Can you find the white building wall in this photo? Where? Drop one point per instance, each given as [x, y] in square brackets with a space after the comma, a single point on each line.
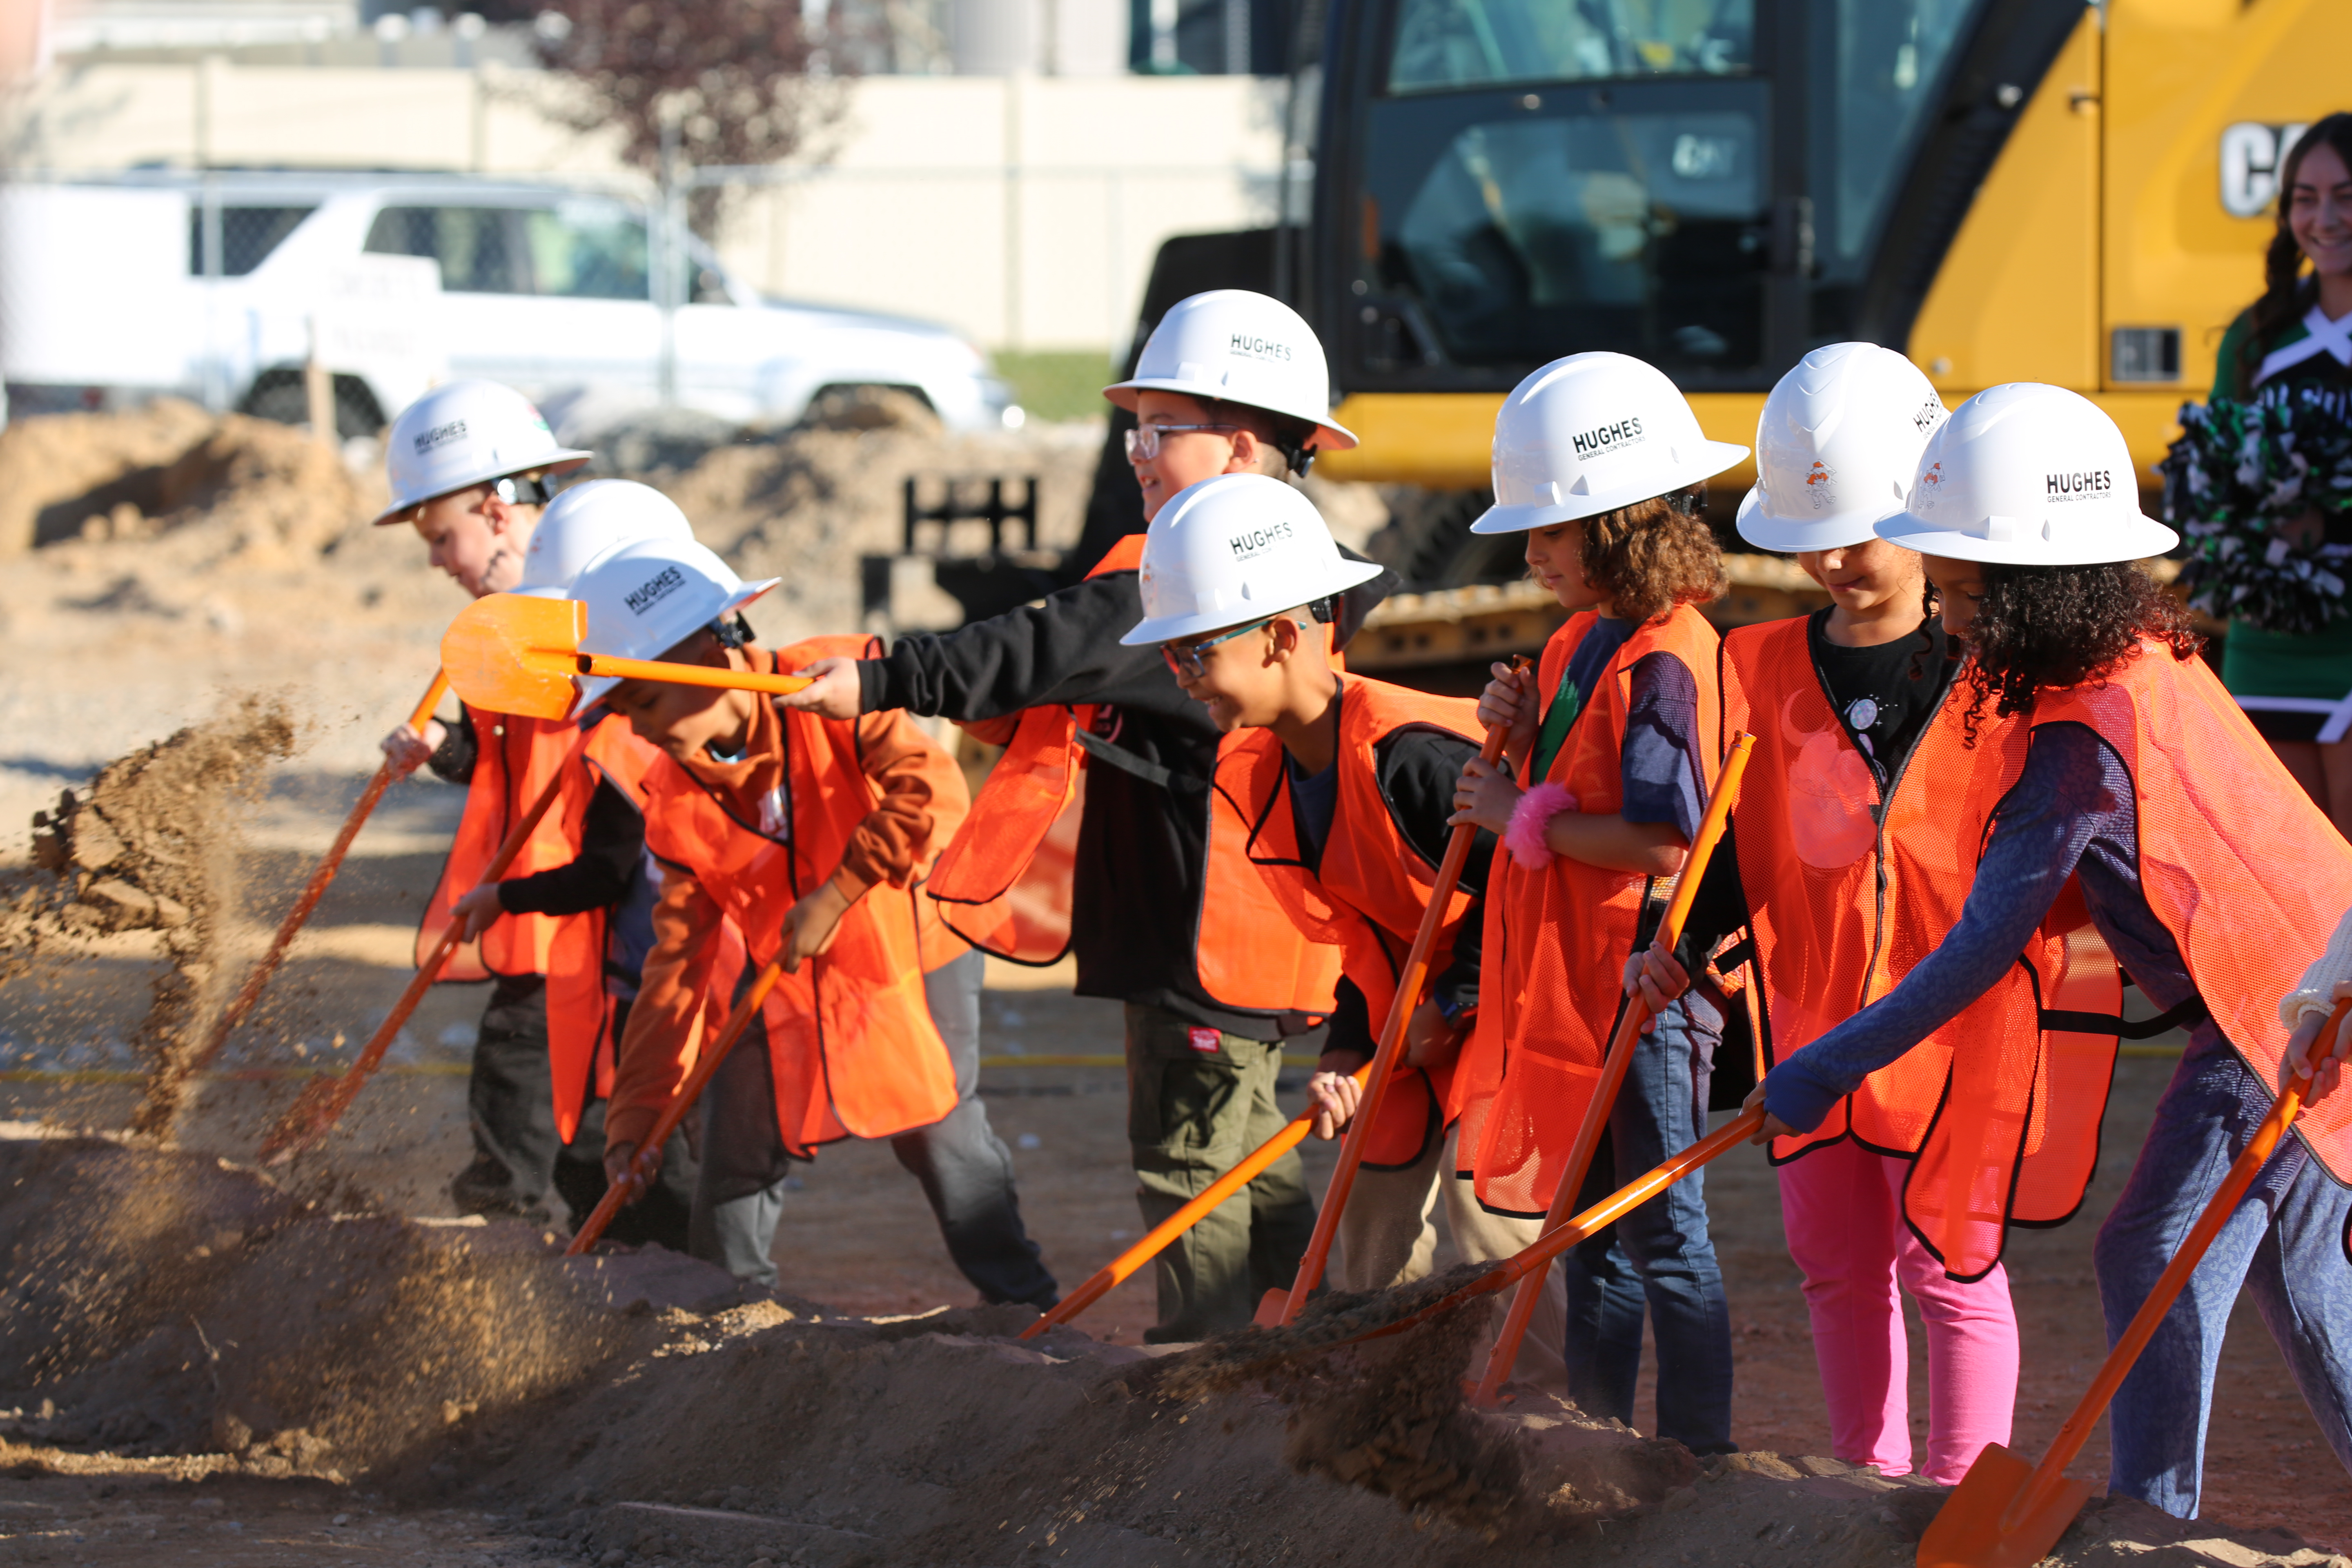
[1023, 210]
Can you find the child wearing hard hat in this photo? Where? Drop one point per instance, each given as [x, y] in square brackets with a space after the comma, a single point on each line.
[596, 908]
[1168, 914]
[809, 837]
[469, 465]
[1349, 783]
[1847, 857]
[1612, 749]
[2208, 872]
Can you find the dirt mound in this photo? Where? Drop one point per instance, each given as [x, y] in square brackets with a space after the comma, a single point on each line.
[152, 845]
[164, 467]
[631, 1409]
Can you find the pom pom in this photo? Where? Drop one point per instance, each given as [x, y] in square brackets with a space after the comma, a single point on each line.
[2242, 472]
[1525, 836]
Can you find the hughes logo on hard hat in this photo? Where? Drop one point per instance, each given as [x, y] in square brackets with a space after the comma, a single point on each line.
[440, 435]
[1265, 348]
[1258, 540]
[1609, 437]
[2080, 486]
[1930, 413]
[653, 590]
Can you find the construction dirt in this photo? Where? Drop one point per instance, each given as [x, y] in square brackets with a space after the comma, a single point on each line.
[202, 1363]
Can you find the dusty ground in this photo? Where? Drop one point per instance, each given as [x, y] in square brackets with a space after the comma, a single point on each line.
[238, 1378]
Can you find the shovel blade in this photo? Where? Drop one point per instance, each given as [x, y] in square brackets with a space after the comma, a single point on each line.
[1269, 1308]
[512, 653]
[305, 1121]
[1973, 1531]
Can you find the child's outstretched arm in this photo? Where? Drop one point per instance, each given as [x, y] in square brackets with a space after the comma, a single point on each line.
[2305, 1008]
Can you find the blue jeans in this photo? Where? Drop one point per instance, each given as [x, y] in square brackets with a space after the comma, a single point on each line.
[2285, 1244]
[1660, 1256]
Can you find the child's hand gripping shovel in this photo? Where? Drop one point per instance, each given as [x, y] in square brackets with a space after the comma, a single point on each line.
[511, 653]
[259, 976]
[319, 1107]
[1280, 1307]
[2006, 1514]
[1614, 1065]
[622, 1193]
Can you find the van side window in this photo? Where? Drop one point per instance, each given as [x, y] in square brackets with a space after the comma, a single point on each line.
[587, 249]
[479, 248]
[247, 236]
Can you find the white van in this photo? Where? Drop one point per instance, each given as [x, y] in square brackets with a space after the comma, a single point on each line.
[212, 288]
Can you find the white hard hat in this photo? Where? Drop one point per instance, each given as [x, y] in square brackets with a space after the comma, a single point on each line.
[645, 598]
[1589, 434]
[2028, 475]
[467, 432]
[1836, 448]
[1240, 347]
[583, 522]
[1232, 548]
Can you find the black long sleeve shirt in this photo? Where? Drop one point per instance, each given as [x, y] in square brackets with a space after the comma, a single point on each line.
[1142, 844]
[612, 840]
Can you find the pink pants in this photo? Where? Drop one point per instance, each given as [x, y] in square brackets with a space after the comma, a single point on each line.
[1841, 1207]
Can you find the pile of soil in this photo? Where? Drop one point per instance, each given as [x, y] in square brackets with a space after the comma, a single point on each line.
[137, 474]
[631, 1407]
[152, 845]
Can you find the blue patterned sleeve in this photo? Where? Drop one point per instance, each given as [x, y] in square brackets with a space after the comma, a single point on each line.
[2039, 833]
[1660, 762]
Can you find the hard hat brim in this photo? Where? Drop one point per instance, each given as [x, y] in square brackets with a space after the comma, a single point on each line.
[2136, 539]
[1122, 394]
[1711, 458]
[1837, 531]
[594, 688]
[1155, 629]
[562, 461]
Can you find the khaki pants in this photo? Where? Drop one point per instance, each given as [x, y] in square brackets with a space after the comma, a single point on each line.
[1387, 1234]
[1482, 1237]
[1197, 1102]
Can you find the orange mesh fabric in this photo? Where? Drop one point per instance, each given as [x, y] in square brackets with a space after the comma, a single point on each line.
[1003, 884]
[514, 760]
[1368, 895]
[2244, 872]
[850, 1037]
[1557, 939]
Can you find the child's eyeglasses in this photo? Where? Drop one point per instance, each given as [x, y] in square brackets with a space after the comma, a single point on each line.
[1143, 441]
[1184, 657]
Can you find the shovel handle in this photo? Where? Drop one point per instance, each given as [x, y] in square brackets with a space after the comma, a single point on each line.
[297, 1130]
[1388, 1052]
[1532, 1260]
[2051, 1473]
[619, 1194]
[687, 674]
[1615, 1064]
[315, 889]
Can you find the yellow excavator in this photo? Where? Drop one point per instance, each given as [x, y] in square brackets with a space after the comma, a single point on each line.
[2004, 190]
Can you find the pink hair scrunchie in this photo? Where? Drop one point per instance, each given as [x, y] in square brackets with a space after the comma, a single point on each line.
[1525, 836]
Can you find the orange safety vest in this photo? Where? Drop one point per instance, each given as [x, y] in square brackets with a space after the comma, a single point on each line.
[850, 1037]
[514, 760]
[2248, 876]
[1843, 901]
[1368, 895]
[1003, 884]
[1557, 939]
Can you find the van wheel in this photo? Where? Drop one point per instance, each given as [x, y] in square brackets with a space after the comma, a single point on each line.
[280, 396]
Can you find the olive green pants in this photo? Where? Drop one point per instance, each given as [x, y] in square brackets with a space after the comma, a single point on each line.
[1197, 1101]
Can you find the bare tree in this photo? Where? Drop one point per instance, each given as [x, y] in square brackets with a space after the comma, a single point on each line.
[735, 81]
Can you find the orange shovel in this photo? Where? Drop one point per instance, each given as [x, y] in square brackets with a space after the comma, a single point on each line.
[706, 1067]
[512, 653]
[2006, 1514]
[258, 977]
[1614, 1065]
[319, 1107]
[1280, 1307]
